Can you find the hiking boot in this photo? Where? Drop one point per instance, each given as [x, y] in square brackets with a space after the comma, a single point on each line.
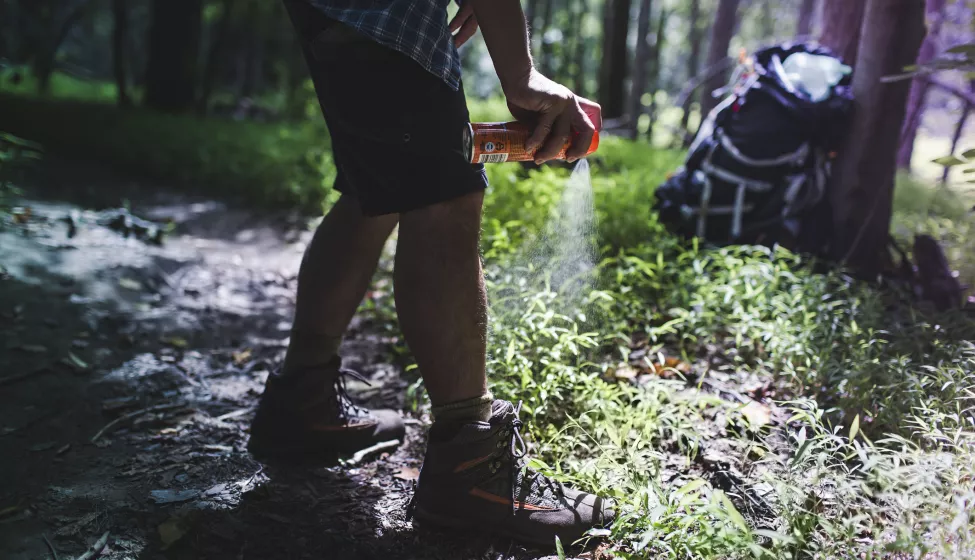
[309, 416]
[474, 477]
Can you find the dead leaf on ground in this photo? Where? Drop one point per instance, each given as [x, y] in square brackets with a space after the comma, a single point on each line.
[172, 530]
[73, 528]
[22, 215]
[75, 362]
[42, 446]
[130, 284]
[757, 414]
[175, 342]
[240, 358]
[669, 366]
[9, 510]
[407, 474]
[173, 496]
[622, 372]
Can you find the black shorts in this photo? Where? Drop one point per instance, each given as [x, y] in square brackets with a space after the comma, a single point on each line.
[397, 130]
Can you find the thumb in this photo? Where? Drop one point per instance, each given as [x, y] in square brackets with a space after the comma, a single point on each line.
[546, 120]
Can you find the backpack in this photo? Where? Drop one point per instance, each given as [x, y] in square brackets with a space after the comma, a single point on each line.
[758, 169]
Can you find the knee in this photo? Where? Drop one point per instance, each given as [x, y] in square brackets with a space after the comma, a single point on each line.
[457, 218]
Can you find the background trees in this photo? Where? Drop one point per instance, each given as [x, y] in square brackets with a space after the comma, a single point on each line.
[652, 64]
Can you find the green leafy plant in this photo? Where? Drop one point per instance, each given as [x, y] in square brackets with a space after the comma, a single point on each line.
[966, 162]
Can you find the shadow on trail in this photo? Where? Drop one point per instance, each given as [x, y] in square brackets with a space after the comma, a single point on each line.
[129, 376]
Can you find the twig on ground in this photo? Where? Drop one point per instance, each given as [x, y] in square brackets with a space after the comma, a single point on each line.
[134, 414]
[234, 414]
[361, 455]
[54, 551]
[96, 548]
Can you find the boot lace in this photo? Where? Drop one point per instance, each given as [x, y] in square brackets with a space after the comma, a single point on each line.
[346, 407]
[516, 451]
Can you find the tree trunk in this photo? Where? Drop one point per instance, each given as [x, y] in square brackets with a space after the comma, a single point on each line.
[721, 33]
[6, 26]
[638, 84]
[612, 86]
[863, 188]
[768, 20]
[919, 88]
[959, 130]
[45, 61]
[659, 41]
[531, 10]
[695, 37]
[807, 11]
[214, 54]
[547, 13]
[842, 20]
[580, 54]
[120, 38]
[174, 47]
[571, 44]
[253, 61]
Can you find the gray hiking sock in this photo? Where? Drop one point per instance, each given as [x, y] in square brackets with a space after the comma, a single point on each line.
[477, 409]
[309, 350]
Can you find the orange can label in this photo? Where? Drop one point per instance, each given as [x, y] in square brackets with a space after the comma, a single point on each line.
[501, 142]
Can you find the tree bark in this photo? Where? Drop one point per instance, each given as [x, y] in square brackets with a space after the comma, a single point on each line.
[45, 62]
[253, 54]
[580, 54]
[968, 106]
[721, 33]
[571, 44]
[807, 12]
[863, 188]
[548, 12]
[120, 38]
[919, 88]
[174, 47]
[959, 130]
[214, 55]
[695, 37]
[842, 20]
[531, 10]
[659, 41]
[638, 84]
[612, 87]
[768, 20]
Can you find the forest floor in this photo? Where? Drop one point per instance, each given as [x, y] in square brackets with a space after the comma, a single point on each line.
[129, 375]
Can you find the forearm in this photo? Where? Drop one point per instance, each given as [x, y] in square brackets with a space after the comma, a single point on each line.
[505, 32]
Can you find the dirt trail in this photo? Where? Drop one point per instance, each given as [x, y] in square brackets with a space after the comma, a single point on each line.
[172, 343]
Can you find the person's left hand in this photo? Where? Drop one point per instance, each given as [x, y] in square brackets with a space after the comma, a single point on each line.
[465, 21]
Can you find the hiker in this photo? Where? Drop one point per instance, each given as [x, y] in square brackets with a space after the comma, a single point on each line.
[388, 78]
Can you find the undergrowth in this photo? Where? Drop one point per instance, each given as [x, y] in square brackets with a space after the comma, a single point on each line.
[871, 453]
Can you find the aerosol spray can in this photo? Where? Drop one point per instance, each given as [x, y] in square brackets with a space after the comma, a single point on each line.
[501, 142]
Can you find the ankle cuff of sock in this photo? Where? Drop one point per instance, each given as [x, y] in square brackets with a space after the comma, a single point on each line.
[309, 350]
[469, 410]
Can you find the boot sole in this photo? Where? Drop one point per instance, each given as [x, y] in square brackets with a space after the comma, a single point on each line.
[423, 521]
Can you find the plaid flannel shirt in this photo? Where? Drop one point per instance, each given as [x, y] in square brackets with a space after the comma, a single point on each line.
[416, 28]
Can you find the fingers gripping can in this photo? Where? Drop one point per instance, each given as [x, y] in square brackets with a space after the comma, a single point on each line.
[501, 142]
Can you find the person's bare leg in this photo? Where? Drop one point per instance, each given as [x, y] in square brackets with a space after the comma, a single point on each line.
[442, 303]
[335, 273]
